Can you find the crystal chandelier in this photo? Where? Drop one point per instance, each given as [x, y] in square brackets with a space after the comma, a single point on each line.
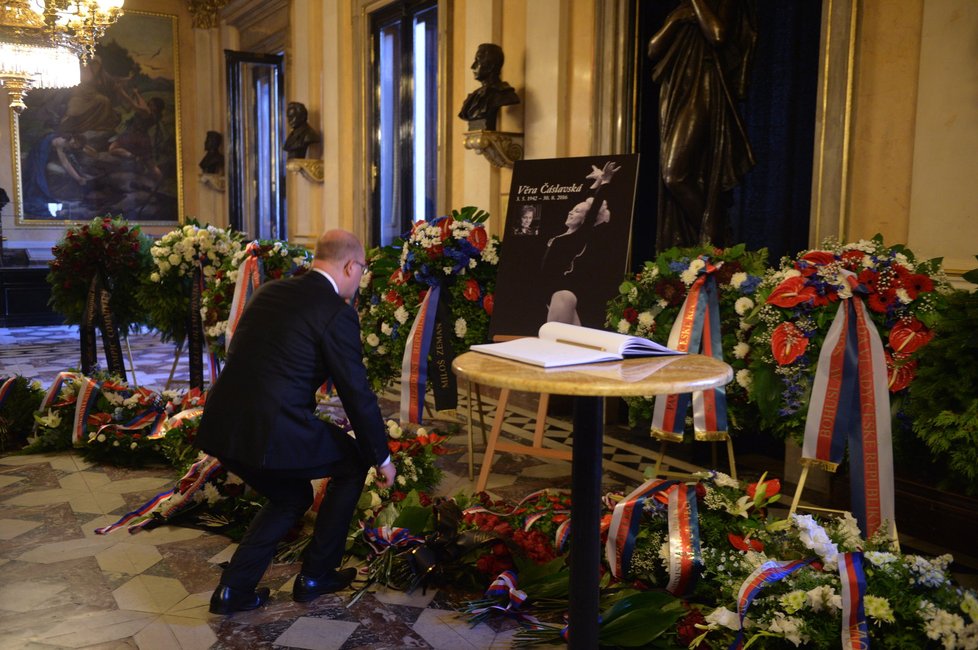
[79, 24]
[41, 42]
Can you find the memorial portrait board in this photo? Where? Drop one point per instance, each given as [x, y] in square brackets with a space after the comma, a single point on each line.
[566, 242]
[111, 144]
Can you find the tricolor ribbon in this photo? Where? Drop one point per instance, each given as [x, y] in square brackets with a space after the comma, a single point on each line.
[6, 388]
[685, 557]
[855, 631]
[165, 504]
[764, 575]
[503, 587]
[386, 537]
[151, 419]
[414, 364]
[850, 401]
[625, 522]
[696, 329]
[176, 420]
[251, 273]
[87, 396]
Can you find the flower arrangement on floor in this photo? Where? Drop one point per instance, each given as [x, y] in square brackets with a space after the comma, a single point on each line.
[111, 248]
[122, 423]
[797, 302]
[454, 250]
[648, 303]
[166, 290]
[275, 260]
[909, 601]
[20, 398]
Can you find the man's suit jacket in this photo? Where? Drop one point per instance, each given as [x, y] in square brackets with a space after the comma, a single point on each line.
[293, 335]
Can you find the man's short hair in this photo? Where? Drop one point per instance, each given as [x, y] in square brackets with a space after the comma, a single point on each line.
[337, 246]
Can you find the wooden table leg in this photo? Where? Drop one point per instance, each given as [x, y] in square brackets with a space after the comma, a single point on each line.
[497, 426]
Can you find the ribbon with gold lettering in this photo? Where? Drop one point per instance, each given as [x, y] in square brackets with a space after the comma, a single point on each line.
[696, 329]
[685, 557]
[850, 402]
[195, 329]
[625, 520]
[855, 631]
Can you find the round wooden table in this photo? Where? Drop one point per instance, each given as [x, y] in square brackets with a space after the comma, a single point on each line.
[589, 384]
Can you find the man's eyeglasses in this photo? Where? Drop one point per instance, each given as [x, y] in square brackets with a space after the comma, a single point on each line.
[363, 266]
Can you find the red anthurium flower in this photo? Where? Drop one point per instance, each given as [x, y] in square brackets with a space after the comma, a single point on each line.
[446, 228]
[400, 277]
[787, 343]
[900, 373]
[478, 238]
[909, 336]
[487, 303]
[771, 488]
[819, 258]
[745, 544]
[393, 297]
[471, 290]
[791, 293]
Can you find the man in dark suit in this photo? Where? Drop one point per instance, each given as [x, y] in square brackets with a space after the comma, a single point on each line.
[260, 422]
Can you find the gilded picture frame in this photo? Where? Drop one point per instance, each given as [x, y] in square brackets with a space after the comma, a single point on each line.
[111, 145]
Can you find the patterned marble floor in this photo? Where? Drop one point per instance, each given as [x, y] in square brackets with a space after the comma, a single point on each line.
[61, 586]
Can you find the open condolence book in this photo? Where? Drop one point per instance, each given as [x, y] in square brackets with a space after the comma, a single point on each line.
[560, 344]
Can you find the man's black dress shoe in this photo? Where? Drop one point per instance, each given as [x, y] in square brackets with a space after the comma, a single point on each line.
[305, 588]
[226, 600]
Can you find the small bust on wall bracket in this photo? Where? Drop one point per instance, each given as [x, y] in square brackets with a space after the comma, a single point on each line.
[213, 160]
[481, 107]
[302, 135]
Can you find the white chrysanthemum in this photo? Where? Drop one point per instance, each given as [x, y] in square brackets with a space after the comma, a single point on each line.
[386, 329]
[115, 443]
[623, 326]
[100, 437]
[394, 430]
[461, 327]
[401, 315]
[880, 559]
[744, 378]
[154, 277]
[741, 349]
[133, 446]
[688, 276]
[381, 350]
[903, 296]
[738, 279]
[743, 305]
[646, 319]
[113, 398]
[878, 608]
[793, 601]
[373, 340]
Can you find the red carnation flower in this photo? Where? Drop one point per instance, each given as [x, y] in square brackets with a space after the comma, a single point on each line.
[393, 297]
[630, 314]
[487, 303]
[787, 343]
[791, 293]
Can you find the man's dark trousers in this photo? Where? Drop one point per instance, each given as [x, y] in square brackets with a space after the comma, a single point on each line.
[289, 496]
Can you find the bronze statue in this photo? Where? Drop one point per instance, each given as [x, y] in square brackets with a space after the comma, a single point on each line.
[213, 160]
[482, 106]
[701, 58]
[302, 135]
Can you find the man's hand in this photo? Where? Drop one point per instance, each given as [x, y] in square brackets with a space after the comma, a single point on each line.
[385, 475]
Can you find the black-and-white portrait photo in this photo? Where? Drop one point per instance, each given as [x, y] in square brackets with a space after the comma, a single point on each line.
[579, 211]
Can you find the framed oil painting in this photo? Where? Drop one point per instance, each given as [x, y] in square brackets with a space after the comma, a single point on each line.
[110, 145]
